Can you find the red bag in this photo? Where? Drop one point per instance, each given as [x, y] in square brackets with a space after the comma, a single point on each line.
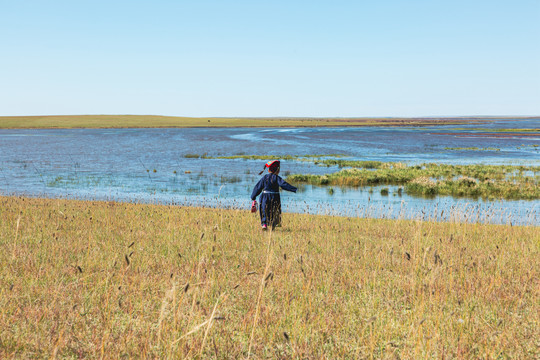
[254, 206]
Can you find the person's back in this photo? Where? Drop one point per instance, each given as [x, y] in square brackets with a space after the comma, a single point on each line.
[271, 182]
[268, 187]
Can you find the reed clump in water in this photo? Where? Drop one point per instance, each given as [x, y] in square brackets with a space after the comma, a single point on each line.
[487, 181]
[473, 148]
[306, 158]
[106, 280]
[469, 187]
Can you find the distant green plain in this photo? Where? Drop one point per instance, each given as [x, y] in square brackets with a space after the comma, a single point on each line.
[154, 121]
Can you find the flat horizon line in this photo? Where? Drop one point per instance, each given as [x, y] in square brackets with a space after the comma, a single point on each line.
[294, 117]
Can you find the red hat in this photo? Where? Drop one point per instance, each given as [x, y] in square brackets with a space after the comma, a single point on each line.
[272, 166]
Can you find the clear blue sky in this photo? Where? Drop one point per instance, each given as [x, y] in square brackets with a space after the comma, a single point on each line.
[270, 58]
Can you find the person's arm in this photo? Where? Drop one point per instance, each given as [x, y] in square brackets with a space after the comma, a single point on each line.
[285, 185]
[257, 190]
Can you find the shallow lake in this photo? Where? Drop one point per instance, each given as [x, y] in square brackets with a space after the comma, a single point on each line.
[161, 166]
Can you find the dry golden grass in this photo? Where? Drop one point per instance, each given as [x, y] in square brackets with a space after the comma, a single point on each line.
[114, 280]
[155, 121]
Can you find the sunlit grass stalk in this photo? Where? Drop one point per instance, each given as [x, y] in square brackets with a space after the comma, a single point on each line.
[261, 288]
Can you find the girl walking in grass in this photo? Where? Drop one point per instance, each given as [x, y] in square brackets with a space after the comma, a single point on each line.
[268, 187]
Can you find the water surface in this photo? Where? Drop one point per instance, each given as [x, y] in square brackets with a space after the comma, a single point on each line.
[150, 165]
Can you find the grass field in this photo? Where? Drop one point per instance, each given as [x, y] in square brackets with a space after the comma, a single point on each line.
[153, 121]
[117, 280]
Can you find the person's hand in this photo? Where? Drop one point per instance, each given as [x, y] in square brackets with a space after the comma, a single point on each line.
[254, 206]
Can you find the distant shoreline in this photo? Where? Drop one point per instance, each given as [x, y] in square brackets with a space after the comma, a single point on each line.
[155, 121]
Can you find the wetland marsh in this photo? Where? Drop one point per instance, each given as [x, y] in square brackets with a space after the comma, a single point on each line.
[218, 167]
[116, 278]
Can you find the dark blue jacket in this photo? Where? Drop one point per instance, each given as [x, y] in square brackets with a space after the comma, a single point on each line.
[270, 184]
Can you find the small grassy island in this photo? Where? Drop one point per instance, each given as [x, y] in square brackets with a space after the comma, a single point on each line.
[485, 181]
[510, 182]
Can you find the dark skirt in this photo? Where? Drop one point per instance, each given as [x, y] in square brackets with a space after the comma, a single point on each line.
[270, 210]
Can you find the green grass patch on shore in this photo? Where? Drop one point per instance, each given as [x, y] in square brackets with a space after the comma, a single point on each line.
[117, 280]
[487, 181]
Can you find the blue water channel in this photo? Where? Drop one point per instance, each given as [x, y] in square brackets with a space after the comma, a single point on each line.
[162, 166]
